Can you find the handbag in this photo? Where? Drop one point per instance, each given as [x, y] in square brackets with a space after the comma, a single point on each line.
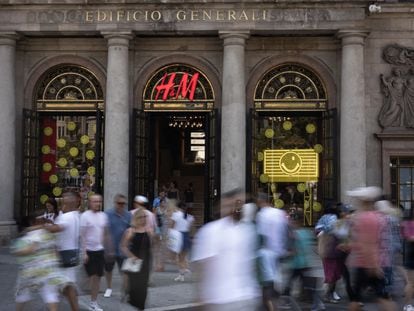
[69, 258]
[132, 265]
[175, 240]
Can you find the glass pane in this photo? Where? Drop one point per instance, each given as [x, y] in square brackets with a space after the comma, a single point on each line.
[405, 175]
[405, 192]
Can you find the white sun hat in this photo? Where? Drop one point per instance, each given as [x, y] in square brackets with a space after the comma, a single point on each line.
[371, 193]
[140, 199]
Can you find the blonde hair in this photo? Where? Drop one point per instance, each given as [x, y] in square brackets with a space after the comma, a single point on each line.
[136, 216]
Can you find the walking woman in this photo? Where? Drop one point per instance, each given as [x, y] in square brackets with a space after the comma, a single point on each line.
[182, 222]
[136, 244]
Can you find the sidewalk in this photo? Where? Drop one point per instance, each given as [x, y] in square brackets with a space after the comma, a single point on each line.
[164, 293]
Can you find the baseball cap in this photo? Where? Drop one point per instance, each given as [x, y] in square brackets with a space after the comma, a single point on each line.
[140, 199]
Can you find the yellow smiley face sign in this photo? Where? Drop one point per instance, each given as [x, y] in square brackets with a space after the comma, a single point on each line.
[47, 167]
[290, 162]
[317, 207]
[310, 128]
[301, 187]
[318, 148]
[73, 151]
[48, 131]
[74, 172]
[61, 143]
[71, 126]
[62, 162]
[279, 203]
[45, 149]
[287, 125]
[57, 191]
[269, 133]
[84, 139]
[264, 178]
[91, 170]
[53, 179]
[90, 154]
[43, 198]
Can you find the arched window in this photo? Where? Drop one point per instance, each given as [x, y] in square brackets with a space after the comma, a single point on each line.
[69, 87]
[178, 87]
[290, 87]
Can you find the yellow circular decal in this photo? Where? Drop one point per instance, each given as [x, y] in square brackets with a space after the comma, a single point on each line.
[301, 187]
[279, 203]
[47, 167]
[61, 143]
[71, 126]
[318, 148]
[264, 178]
[74, 172]
[45, 149]
[57, 191]
[62, 162]
[43, 198]
[73, 151]
[90, 154]
[310, 128]
[269, 133]
[287, 125]
[317, 207]
[290, 162]
[53, 179]
[260, 156]
[84, 139]
[48, 131]
[91, 170]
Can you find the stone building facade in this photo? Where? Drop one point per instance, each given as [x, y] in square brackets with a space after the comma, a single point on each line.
[255, 66]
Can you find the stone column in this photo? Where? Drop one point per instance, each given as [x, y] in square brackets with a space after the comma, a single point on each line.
[353, 150]
[7, 133]
[117, 112]
[233, 111]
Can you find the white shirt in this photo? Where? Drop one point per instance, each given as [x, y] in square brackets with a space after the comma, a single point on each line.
[180, 223]
[272, 223]
[93, 227]
[226, 249]
[68, 238]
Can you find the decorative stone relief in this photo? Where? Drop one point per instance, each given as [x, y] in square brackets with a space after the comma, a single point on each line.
[398, 106]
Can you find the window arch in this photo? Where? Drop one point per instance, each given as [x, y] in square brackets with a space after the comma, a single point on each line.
[290, 87]
[69, 87]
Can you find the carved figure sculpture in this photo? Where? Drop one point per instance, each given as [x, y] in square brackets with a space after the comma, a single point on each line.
[392, 111]
[409, 100]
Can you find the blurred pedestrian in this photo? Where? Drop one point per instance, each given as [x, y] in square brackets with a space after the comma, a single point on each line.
[365, 257]
[224, 253]
[189, 195]
[182, 221]
[94, 223]
[160, 238]
[141, 203]
[119, 219]
[173, 192]
[330, 255]
[67, 226]
[272, 227]
[136, 243]
[38, 264]
[407, 229]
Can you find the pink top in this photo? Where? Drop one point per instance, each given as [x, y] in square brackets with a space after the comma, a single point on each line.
[407, 229]
[365, 247]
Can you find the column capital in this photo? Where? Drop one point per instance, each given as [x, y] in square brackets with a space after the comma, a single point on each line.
[8, 38]
[117, 38]
[231, 37]
[352, 36]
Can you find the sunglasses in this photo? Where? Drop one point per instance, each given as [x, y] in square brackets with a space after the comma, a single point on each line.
[121, 203]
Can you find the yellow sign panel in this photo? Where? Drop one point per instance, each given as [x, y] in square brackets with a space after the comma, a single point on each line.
[291, 165]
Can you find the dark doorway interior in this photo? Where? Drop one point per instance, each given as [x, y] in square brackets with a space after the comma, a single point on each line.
[179, 149]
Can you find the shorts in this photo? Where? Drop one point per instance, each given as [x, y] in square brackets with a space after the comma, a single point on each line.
[49, 294]
[95, 264]
[363, 279]
[109, 266]
[186, 242]
[70, 276]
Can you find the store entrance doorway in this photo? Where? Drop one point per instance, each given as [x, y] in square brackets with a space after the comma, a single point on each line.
[180, 151]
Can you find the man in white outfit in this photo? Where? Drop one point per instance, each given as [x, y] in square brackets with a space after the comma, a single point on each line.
[225, 252]
[272, 226]
[94, 224]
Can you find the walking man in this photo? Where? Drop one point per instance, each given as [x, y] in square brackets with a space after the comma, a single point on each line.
[119, 220]
[94, 222]
[67, 226]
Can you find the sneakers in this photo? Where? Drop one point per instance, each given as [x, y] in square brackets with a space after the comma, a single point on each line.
[408, 308]
[108, 293]
[180, 278]
[93, 306]
[336, 296]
